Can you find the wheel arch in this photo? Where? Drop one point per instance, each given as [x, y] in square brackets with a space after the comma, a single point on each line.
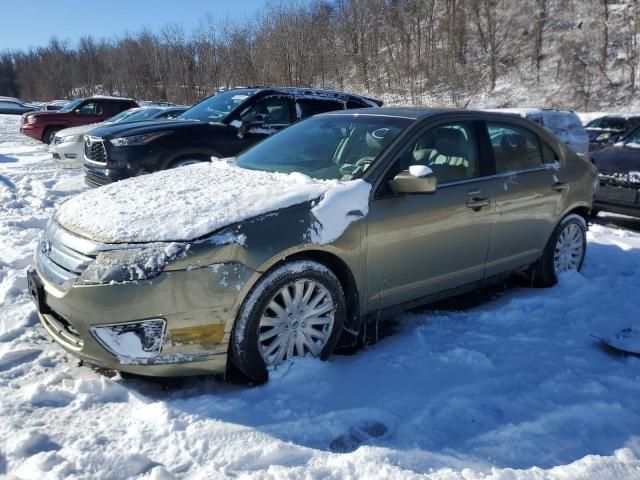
[345, 276]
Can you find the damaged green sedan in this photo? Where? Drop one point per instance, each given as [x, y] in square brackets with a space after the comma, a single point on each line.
[299, 242]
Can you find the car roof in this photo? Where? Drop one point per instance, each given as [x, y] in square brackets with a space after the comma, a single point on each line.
[107, 97]
[416, 113]
[311, 92]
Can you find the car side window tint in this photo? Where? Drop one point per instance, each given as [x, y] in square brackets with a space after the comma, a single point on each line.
[356, 104]
[275, 110]
[450, 150]
[309, 107]
[514, 148]
[548, 154]
[90, 108]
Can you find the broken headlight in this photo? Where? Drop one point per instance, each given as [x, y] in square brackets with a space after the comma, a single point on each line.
[129, 264]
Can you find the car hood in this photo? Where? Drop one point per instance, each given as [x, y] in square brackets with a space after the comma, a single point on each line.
[140, 128]
[81, 130]
[185, 203]
[49, 114]
[620, 159]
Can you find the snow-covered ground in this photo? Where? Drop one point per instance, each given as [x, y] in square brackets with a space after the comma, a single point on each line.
[510, 387]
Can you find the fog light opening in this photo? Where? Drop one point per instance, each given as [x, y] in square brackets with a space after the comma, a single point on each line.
[132, 341]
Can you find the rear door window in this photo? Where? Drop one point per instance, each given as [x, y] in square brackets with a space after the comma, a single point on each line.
[276, 111]
[514, 148]
[310, 107]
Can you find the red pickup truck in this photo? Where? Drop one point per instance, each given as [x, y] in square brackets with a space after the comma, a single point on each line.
[43, 125]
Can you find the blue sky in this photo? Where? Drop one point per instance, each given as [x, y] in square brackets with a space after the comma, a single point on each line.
[28, 23]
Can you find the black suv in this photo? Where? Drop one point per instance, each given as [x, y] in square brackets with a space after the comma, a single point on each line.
[220, 126]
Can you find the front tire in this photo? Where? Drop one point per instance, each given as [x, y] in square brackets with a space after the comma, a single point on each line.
[296, 309]
[565, 251]
[49, 133]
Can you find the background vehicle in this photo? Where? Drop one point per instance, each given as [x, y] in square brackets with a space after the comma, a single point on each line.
[44, 125]
[563, 124]
[220, 126]
[68, 144]
[619, 172]
[55, 105]
[178, 272]
[11, 106]
[607, 130]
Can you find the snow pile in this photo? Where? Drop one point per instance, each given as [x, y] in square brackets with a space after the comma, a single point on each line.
[340, 206]
[501, 385]
[184, 203]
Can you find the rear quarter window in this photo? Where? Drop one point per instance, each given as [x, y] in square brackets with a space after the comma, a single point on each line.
[310, 107]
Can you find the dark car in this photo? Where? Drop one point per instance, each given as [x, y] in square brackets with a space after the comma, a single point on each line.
[220, 126]
[607, 130]
[12, 106]
[619, 172]
[44, 125]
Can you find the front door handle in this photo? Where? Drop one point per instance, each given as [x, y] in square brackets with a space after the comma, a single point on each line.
[476, 203]
[559, 186]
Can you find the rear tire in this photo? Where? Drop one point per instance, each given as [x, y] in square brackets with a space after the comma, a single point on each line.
[297, 308]
[49, 133]
[565, 251]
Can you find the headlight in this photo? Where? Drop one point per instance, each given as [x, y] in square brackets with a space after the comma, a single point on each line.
[137, 139]
[130, 264]
[72, 138]
[603, 136]
[31, 119]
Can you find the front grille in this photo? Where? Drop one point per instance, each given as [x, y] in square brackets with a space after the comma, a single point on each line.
[61, 256]
[94, 149]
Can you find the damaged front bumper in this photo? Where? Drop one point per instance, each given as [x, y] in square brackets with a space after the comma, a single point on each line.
[175, 324]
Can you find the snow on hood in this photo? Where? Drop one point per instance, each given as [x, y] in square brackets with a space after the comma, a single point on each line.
[184, 203]
[341, 205]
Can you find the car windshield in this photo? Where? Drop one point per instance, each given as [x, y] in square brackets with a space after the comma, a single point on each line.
[325, 147]
[608, 123]
[215, 108]
[71, 105]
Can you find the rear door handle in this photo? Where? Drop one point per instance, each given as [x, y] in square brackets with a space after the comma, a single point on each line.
[476, 203]
[559, 186]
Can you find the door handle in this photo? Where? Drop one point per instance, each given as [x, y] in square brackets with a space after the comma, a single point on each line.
[559, 186]
[476, 203]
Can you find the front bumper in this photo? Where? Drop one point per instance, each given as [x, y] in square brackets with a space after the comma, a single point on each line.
[34, 131]
[69, 152]
[198, 305]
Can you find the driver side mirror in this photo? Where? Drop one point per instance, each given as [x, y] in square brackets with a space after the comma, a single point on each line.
[418, 179]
